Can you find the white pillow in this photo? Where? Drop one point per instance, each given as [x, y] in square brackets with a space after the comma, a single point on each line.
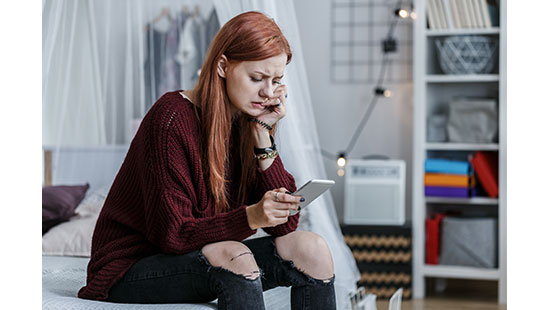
[72, 238]
[92, 202]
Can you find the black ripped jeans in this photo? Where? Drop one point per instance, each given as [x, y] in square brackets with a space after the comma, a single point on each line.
[190, 278]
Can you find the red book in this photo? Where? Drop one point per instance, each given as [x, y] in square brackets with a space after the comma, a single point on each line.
[486, 169]
[432, 239]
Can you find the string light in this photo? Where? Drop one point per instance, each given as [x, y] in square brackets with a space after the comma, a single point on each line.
[341, 162]
[413, 12]
[379, 91]
[403, 13]
[389, 45]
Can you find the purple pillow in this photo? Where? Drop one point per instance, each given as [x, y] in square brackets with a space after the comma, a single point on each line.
[59, 203]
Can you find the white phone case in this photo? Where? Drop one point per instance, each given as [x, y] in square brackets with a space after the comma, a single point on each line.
[311, 190]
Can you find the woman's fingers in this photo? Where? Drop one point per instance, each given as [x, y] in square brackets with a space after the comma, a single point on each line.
[280, 195]
[278, 98]
[281, 203]
[273, 103]
[278, 214]
[281, 91]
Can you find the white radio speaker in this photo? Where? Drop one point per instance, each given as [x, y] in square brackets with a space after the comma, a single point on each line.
[374, 192]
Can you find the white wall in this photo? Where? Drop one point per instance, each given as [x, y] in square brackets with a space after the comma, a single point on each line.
[339, 108]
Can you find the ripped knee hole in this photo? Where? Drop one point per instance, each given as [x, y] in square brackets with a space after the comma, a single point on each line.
[254, 274]
[241, 255]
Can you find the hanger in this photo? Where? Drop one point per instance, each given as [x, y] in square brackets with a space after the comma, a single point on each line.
[196, 11]
[165, 12]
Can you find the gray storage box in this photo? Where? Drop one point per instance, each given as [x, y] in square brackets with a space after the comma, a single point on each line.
[472, 120]
[469, 242]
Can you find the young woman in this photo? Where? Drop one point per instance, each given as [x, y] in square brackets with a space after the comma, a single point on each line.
[201, 175]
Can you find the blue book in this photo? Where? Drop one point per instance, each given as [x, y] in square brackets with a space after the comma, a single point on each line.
[447, 166]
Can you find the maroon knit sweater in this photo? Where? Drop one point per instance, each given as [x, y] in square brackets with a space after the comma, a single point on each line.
[159, 201]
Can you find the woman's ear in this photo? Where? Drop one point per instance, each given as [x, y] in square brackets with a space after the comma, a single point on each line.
[223, 64]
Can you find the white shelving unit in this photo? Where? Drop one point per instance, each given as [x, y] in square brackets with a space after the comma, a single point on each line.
[432, 78]
[431, 88]
[461, 147]
[463, 201]
[446, 32]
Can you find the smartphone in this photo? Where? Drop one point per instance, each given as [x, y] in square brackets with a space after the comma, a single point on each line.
[311, 190]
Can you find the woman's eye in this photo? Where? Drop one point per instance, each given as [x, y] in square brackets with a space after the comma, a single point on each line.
[277, 82]
[255, 79]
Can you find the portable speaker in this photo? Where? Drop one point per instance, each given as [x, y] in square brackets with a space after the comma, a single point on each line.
[374, 192]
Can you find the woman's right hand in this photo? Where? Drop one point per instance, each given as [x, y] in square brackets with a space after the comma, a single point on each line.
[269, 212]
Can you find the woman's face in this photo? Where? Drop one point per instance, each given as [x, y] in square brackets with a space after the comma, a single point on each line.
[250, 82]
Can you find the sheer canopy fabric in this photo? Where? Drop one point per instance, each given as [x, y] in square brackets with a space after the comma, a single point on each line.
[95, 90]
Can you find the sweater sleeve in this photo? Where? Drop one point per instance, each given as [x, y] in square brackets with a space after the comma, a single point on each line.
[275, 176]
[168, 185]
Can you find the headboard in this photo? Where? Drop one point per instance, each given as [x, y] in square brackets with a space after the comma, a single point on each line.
[96, 165]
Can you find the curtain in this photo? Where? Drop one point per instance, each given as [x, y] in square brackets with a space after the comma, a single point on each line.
[95, 90]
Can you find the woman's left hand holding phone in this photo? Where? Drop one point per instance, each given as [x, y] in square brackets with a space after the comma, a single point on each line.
[273, 209]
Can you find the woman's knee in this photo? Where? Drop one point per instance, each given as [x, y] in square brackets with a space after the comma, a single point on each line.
[309, 252]
[233, 256]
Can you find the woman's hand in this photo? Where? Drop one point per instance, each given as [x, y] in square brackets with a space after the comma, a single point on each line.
[276, 106]
[273, 209]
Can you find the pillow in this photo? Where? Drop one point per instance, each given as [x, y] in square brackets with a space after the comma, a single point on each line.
[72, 238]
[59, 203]
[93, 202]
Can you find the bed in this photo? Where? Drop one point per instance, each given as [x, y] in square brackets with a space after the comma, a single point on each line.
[66, 246]
[63, 276]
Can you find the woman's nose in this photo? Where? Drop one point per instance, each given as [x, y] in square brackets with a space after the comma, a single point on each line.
[267, 90]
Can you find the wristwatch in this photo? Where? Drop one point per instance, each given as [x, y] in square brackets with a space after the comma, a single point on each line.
[267, 150]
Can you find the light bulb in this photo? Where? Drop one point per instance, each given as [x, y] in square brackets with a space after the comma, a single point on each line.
[379, 91]
[341, 161]
[341, 172]
[402, 13]
[413, 14]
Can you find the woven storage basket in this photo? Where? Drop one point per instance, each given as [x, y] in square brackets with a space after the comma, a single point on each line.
[466, 54]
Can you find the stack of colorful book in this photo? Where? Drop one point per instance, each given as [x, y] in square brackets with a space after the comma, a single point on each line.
[448, 178]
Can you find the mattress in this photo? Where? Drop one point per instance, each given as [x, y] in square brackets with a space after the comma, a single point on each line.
[63, 276]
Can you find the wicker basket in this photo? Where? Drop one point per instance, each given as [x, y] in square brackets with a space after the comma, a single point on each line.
[466, 54]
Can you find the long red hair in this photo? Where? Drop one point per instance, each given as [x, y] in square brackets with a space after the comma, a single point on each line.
[249, 36]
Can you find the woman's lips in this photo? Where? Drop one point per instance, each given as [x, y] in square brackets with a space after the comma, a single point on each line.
[258, 105]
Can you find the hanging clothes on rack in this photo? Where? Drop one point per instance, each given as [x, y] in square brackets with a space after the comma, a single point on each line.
[175, 51]
[212, 26]
[169, 77]
[191, 51]
[155, 53]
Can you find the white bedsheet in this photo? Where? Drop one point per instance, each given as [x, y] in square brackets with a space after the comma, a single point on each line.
[63, 276]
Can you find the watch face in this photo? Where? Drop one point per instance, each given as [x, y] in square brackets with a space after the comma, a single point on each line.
[266, 150]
